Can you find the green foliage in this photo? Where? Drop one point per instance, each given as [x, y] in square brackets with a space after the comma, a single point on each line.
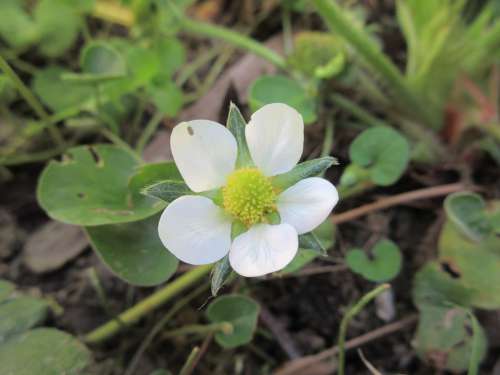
[383, 152]
[236, 125]
[384, 263]
[445, 338]
[133, 251]
[280, 89]
[44, 351]
[467, 211]
[241, 312]
[220, 274]
[317, 54]
[41, 351]
[90, 187]
[310, 168]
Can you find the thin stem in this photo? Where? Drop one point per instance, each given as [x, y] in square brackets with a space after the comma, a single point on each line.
[432, 192]
[328, 141]
[186, 369]
[148, 131]
[32, 158]
[31, 100]
[367, 298]
[147, 305]
[286, 21]
[235, 38]
[196, 64]
[200, 329]
[120, 143]
[357, 111]
[158, 326]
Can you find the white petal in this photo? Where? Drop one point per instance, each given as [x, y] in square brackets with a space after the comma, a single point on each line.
[275, 137]
[307, 204]
[195, 230]
[263, 249]
[205, 153]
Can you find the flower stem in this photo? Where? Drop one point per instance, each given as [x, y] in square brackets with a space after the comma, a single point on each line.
[201, 329]
[367, 298]
[31, 100]
[186, 368]
[147, 305]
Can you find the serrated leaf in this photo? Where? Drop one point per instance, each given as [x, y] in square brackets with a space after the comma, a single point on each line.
[236, 125]
[467, 211]
[241, 312]
[383, 151]
[133, 251]
[220, 274]
[384, 265]
[310, 168]
[90, 187]
[281, 89]
[44, 351]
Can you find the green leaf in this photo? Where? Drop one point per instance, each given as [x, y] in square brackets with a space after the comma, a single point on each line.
[20, 314]
[236, 125]
[242, 312]
[383, 151]
[310, 241]
[325, 234]
[171, 53]
[310, 168]
[143, 63]
[166, 96]
[467, 211]
[133, 251]
[89, 187]
[281, 89]
[153, 174]
[445, 333]
[17, 28]
[384, 266]
[6, 289]
[49, 86]
[58, 23]
[220, 274]
[168, 190]
[43, 351]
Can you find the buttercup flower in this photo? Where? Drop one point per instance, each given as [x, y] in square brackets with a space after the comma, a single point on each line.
[264, 220]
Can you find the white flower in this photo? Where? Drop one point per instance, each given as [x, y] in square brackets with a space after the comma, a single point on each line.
[198, 231]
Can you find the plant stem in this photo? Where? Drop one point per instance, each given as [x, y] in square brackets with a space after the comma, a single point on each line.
[31, 100]
[186, 369]
[357, 111]
[475, 355]
[367, 298]
[148, 131]
[147, 305]
[426, 193]
[233, 37]
[334, 17]
[31, 158]
[200, 329]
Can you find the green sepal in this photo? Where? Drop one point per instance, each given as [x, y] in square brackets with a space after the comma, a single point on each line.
[221, 273]
[311, 241]
[167, 190]
[303, 170]
[236, 125]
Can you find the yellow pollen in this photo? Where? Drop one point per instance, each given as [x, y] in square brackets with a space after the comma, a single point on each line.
[249, 196]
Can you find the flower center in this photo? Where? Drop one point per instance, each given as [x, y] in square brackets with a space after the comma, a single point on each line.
[249, 196]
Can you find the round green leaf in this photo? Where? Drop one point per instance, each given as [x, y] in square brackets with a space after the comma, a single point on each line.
[133, 251]
[281, 89]
[43, 351]
[384, 265]
[383, 151]
[90, 187]
[467, 211]
[48, 85]
[20, 314]
[242, 312]
[444, 338]
[101, 59]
